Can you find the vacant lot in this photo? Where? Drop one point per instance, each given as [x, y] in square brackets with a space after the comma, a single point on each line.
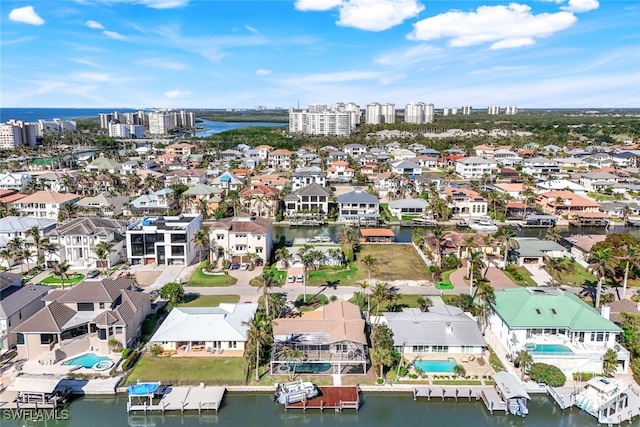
[394, 262]
[188, 370]
[199, 279]
[210, 300]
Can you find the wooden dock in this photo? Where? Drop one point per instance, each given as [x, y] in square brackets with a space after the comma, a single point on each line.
[492, 400]
[336, 398]
[449, 392]
[182, 399]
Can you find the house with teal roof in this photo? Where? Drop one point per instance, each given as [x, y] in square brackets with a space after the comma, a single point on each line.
[556, 327]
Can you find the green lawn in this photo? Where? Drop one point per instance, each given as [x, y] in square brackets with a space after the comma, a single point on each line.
[188, 370]
[199, 279]
[404, 300]
[211, 300]
[524, 279]
[578, 276]
[280, 276]
[334, 277]
[446, 276]
[53, 280]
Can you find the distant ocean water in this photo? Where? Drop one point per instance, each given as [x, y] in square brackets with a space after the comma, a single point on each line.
[33, 114]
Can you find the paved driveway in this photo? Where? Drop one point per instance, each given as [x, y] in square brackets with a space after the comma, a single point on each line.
[538, 275]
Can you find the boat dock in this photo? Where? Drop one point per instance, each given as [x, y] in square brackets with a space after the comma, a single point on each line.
[336, 398]
[492, 400]
[450, 392]
[202, 398]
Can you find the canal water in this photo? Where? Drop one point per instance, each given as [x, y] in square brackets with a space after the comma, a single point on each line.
[377, 410]
[403, 234]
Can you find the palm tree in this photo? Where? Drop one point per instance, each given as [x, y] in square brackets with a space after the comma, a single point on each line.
[282, 254]
[103, 249]
[600, 264]
[68, 211]
[610, 362]
[486, 293]
[364, 286]
[336, 253]
[424, 303]
[61, 270]
[266, 281]
[40, 243]
[7, 255]
[26, 255]
[524, 360]
[348, 238]
[258, 335]
[553, 234]
[371, 263]
[475, 263]
[556, 267]
[380, 293]
[201, 240]
[508, 242]
[438, 235]
[631, 258]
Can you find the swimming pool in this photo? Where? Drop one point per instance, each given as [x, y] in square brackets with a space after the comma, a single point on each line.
[87, 360]
[307, 368]
[435, 365]
[547, 348]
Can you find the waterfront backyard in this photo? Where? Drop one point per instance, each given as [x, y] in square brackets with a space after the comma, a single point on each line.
[397, 262]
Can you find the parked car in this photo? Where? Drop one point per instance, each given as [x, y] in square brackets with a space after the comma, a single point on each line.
[291, 279]
[234, 266]
[300, 278]
[92, 274]
[244, 266]
[444, 285]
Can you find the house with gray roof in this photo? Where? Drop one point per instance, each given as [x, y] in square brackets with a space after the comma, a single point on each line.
[406, 167]
[358, 206]
[532, 250]
[226, 182]
[192, 331]
[408, 207]
[556, 327]
[443, 329]
[311, 200]
[306, 176]
[17, 303]
[12, 227]
[82, 318]
[103, 205]
[158, 201]
[75, 242]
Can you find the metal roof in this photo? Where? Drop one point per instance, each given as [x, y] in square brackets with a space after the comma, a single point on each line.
[35, 383]
[509, 385]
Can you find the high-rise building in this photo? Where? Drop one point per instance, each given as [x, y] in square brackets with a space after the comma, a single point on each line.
[466, 110]
[320, 120]
[418, 112]
[160, 123]
[105, 120]
[28, 132]
[376, 113]
[120, 130]
[9, 136]
[55, 126]
[185, 119]
[511, 110]
[493, 110]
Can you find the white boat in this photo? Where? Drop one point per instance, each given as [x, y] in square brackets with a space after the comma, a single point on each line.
[610, 400]
[296, 391]
[485, 225]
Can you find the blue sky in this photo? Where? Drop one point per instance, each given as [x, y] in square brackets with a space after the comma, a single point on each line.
[239, 54]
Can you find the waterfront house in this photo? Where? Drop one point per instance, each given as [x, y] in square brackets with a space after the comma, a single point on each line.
[332, 340]
[306, 176]
[408, 207]
[358, 206]
[556, 327]
[532, 250]
[566, 203]
[580, 244]
[83, 318]
[75, 242]
[17, 303]
[195, 331]
[163, 240]
[443, 330]
[238, 236]
[310, 200]
[459, 244]
[464, 203]
[260, 200]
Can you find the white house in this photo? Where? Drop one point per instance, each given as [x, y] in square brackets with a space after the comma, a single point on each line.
[597, 181]
[339, 171]
[161, 200]
[358, 206]
[163, 240]
[475, 167]
[306, 176]
[406, 167]
[408, 207]
[45, 204]
[193, 331]
[465, 203]
[355, 150]
[537, 166]
[238, 236]
[556, 327]
[14, 181]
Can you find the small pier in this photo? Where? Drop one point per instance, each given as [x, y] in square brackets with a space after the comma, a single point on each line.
[168, 398]
[336, 398]
[492, 400]
[450, 392]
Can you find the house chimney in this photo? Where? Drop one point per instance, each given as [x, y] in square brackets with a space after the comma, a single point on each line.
[605, 312]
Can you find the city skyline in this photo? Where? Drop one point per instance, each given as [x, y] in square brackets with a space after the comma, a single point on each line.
[211, 54]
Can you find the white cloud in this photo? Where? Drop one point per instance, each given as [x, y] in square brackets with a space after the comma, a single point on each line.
[251, 29]
[113, 35]
[317, 5]
[263, 72]
[86, 62]
[26, 15]
[162, 4]
[505, 26]
[173, 94]
[94, 24]
[581, 5]
[163, 63]
[92, 77]
[368, 15]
